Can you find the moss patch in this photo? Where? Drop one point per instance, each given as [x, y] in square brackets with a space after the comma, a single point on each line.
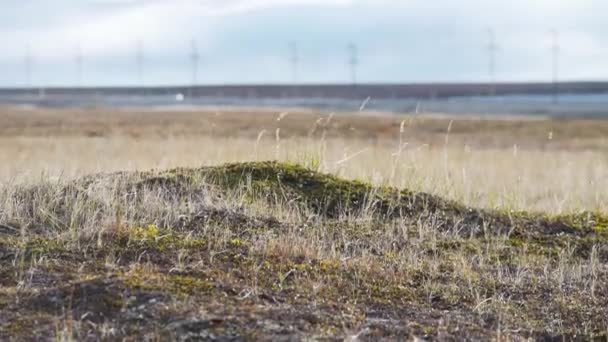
[333, 198]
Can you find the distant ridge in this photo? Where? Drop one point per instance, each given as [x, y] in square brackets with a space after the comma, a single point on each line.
[338, 91]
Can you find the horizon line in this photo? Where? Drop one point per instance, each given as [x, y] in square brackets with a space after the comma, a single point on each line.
[309, 84]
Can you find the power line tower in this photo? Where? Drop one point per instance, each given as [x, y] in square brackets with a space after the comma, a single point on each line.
[194, 63]
[194, 60]
[555, 54]
[492, 48]
[353, 62]
[294, 60]
[27, 64]
[79, 59]
[139, 60]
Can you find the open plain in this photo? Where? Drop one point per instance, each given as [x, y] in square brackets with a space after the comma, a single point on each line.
[268, 225]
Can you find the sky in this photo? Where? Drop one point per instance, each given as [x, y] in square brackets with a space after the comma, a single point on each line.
[96, 42]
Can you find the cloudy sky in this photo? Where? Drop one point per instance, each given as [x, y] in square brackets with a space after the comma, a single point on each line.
[248, 41]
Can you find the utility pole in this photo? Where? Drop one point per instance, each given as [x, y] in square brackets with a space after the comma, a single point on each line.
[555, 52]
[27, 63]
[194, 60]
[353, 62]
[294, 60]
[492, 47]
[79, 63]
[139, 60]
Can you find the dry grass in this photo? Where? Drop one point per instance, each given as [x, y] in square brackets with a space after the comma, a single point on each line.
[275, 251]
[541, 165]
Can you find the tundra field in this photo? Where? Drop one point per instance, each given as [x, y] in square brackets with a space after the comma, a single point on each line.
[269, 225]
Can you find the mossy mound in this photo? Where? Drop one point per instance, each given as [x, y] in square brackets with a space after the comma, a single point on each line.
[322, 196]
[275, 251]
[331, 197]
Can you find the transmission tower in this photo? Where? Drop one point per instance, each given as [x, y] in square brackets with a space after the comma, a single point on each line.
[139, 60]
[194, 59]
[353, 62]
[27, 63]
[194, 62]
[79, 59]
[492, 47]
[555, 54]
[295, 61]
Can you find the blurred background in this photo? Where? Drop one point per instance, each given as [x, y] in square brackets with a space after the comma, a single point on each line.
[472, 56]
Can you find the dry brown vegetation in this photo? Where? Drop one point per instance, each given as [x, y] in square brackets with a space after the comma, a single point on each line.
[544, 165]
[389, 227]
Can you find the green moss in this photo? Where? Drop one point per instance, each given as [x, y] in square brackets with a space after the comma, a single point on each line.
[34, 247]
[152, 237]
[7, 295]
[175, 285]
[324, 193]
[148, 233]
[332, 197]
[516, 241]
[236, 242]
[600, 225]
[188, 285]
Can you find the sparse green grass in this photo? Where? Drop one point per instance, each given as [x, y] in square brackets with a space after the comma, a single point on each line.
[270, 250]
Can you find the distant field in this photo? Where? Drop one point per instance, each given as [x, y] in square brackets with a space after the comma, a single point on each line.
[363, 228]
[390, 90]
[550, 165]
